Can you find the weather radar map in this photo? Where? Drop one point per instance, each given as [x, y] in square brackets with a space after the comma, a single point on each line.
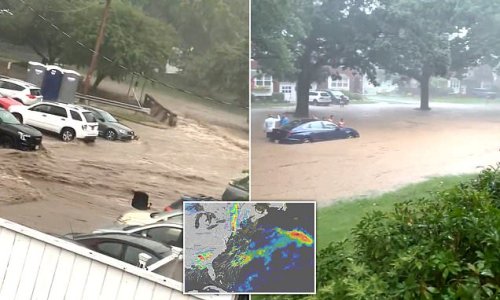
[249, 247]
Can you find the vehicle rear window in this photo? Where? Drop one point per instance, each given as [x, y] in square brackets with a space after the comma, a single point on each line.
[35, 92]
[75, 116]
[89, 117]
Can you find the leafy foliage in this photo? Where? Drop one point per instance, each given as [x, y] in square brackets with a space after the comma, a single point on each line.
[420, 39]
[443, 247]
[133, 40]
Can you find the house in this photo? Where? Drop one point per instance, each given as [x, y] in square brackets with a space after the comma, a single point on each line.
[264, 85]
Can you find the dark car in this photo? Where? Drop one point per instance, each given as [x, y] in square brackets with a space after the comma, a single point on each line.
[13, 134]
[123, 247]
[338, 97]
[237, 190]
[109, 127]
[300, 131]
[178, 203]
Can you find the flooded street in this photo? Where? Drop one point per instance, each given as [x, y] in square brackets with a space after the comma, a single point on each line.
[398, 145]
[77, 187]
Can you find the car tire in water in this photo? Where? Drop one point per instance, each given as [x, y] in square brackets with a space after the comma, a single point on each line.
[110, 135]
[67, 134]
[6, 142]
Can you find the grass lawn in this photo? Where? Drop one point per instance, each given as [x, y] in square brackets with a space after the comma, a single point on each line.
[334, 223]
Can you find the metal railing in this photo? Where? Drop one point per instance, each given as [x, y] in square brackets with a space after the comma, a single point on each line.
[109, 102]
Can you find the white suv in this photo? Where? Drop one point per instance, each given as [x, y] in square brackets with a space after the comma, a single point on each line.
[319, 98]
[22, 91]
[68, 120]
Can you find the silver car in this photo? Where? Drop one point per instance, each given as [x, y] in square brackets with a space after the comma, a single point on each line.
[170, 234]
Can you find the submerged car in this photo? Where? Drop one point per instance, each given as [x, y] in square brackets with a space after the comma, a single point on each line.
[237, 190]
[109, 127]
[13, 134]
[301, 131]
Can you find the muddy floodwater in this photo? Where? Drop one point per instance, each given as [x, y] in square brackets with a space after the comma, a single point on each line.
[78, 187]
[398, 145]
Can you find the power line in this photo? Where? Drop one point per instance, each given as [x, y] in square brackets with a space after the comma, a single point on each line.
[152, 80]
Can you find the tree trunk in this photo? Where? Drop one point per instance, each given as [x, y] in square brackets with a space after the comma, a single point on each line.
[424, 92]
[304, 81]
[303, 84]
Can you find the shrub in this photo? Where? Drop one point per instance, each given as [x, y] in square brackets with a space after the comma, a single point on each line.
[353, 96]
[446, 246]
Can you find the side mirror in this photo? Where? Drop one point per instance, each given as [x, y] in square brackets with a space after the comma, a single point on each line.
[143, 260]
[101, 119]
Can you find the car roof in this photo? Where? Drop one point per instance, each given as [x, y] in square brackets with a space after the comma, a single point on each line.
[134, 228]
[20, 82]
[132, 239]
[67, 105]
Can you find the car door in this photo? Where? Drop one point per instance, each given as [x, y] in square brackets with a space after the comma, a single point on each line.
[332, 131]
[317, 130]
[36, 115]
[56, 118]
[8, 89]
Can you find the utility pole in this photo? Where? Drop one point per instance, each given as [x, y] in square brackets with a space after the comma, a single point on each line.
[95, 56]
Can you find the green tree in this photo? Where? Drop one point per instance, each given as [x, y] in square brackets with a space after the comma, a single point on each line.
[213, 42]
[421, 39]
[133, 42]
[25, 27]
[330, 33]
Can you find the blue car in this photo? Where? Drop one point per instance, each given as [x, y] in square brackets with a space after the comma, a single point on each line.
[301, 131]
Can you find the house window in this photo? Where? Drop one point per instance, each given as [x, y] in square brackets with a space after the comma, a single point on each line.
[342, 83]
[286, 89]
[263, 80]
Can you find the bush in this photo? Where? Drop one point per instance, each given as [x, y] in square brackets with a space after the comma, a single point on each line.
[444, 247]
[353, 96]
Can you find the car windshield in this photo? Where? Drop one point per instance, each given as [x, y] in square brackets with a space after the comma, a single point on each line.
[8, 118]
[108, 117]
[89, 117]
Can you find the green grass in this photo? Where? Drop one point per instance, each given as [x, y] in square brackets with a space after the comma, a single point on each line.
[272, 104]
[334, 223]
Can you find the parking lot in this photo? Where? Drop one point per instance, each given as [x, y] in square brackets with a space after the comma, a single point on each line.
[398, 145]
[77, 187]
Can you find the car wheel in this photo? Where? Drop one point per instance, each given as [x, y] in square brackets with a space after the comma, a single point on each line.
[18, 117]
[308, 140]
[6, 142]
[110, 135]
[315, 103]
[67, 134]
[349, 136]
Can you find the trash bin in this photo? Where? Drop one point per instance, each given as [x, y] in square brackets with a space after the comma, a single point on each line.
[69, 86]
[52, 83]
[36, 72]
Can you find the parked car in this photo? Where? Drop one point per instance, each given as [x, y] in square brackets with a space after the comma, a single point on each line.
[237, 190]
[123, 247]
[338, 97]
[24, 92]
[311, 131]
[169, 233]
[6, 102]
[144, 217]
[109, 127]
[484, 93]
[67, 120]
[178, 203]
[319, 98]
[13, 134]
